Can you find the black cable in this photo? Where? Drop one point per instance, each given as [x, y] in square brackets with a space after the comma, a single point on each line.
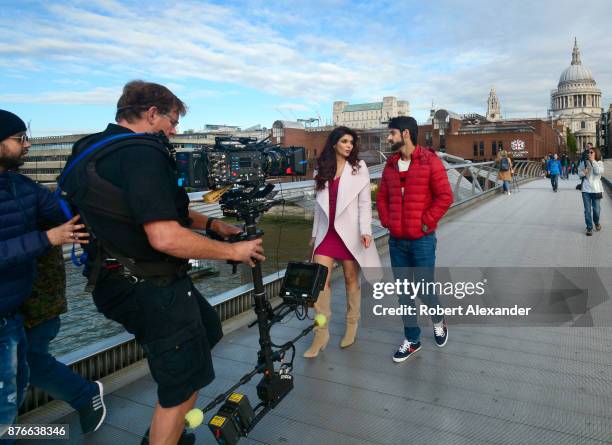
[280, 231]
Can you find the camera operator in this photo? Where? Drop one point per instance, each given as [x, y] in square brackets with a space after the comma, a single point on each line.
[175, 325]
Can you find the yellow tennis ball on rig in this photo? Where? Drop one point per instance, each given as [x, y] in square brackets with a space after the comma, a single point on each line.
[194, 418]
[320, 320]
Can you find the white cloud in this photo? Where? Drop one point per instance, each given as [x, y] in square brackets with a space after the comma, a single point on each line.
[293, 107]
[317, 52]
[97, 96]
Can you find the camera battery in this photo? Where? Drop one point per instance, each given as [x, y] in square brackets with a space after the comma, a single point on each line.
[224, 430]
[233, 420]
[238, 407]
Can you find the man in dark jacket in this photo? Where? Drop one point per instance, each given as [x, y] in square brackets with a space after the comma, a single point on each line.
[22, 203]
[41, 313]
[414, 194]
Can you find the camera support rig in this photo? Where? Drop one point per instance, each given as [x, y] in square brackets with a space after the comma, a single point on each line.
[236, 418]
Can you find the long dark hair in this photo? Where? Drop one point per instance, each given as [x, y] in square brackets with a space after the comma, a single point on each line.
[597, 152]
[326, 162]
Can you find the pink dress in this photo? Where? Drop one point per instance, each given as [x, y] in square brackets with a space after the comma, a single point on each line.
[332, 245]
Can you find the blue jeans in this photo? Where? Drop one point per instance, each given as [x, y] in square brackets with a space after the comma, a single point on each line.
[506, 185]
[14, 374]
[591, 209]
[54, 377]
[554, 180]
[420, 256]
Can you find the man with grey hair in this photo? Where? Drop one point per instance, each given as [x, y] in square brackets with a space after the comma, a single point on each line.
[126, 189]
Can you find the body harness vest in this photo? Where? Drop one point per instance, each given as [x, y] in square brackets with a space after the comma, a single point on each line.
[82, 190]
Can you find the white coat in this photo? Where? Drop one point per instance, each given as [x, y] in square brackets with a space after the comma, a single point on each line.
[353, 218]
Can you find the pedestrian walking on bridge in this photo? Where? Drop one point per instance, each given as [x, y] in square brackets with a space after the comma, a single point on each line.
[592, 189]
[553, 166]
[505, 170]
[413, 197]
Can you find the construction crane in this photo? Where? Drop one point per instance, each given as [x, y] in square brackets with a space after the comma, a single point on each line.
[308, 122]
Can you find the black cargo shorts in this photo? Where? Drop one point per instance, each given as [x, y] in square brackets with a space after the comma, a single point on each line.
[176, 327]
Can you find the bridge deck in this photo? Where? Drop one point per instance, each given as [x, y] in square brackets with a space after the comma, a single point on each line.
[487, 386]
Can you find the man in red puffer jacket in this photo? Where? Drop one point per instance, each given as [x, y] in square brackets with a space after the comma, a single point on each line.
[414, 194]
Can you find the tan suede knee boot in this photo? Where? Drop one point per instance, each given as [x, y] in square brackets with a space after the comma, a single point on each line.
[353, 313]
[321, 333]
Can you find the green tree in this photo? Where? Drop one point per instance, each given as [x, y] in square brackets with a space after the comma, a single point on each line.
[572, 145]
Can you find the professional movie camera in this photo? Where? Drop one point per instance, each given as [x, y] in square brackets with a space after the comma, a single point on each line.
[238, 160]
[246, 196]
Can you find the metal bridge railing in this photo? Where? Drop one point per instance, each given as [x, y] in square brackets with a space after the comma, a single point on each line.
[471, 179]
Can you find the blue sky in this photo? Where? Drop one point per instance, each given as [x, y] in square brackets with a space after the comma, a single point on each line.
[63, 64]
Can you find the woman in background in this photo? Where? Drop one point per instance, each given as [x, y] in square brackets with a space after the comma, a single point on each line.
[342, 229]
[505, 170]
[592, 189]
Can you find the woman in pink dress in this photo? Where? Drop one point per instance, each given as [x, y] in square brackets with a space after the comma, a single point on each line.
[342, 228]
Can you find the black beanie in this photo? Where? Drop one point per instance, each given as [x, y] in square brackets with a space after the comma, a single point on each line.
[10, 124]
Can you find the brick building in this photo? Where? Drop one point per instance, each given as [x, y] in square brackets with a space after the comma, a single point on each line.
[470, 137]
[473, 137]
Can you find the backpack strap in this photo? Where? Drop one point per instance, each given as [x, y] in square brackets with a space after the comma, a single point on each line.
[105, 197]
[85, 153]
[78, 159]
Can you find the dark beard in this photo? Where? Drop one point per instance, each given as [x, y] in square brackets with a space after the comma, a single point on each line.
[11, 163]
[397, 146]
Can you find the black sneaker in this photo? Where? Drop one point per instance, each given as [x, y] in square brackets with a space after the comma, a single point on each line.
[185, 439]
[441, 333]
[93, 416]
[405, 351]
[598, 227]
[589, 232]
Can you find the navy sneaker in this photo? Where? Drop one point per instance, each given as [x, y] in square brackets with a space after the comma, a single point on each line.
[405, 351]
[92, 416]
[441, 333]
